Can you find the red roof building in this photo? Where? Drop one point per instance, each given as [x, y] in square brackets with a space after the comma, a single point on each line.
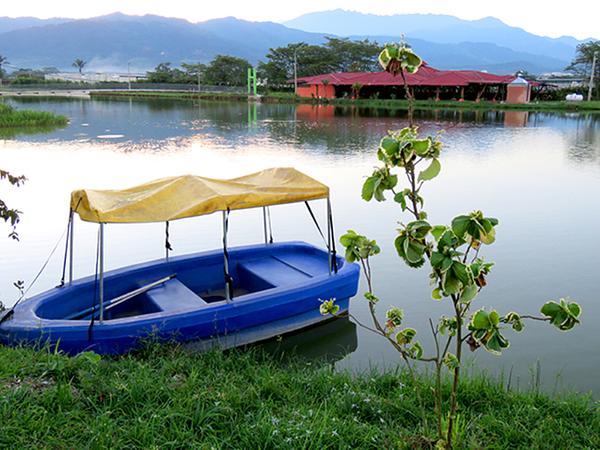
[428, 82]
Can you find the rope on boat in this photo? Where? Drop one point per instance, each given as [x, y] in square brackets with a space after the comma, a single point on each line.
[64, 268]
[10, 312]
[330, 234]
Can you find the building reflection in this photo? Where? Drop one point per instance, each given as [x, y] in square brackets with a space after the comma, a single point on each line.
[516, 118]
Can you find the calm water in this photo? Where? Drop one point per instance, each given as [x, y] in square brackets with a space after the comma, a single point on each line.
[538, 173]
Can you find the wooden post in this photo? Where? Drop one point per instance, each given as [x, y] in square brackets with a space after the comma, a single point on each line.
[480, 93]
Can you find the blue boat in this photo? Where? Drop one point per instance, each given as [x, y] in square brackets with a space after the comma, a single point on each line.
[226, 297]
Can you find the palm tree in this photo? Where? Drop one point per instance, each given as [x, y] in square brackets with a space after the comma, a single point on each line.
[79, 64]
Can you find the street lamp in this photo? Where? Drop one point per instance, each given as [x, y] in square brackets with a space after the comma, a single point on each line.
[129, 75]
[591, 85]
[298, 47]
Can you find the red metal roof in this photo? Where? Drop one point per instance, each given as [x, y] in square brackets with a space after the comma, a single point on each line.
[425, 76]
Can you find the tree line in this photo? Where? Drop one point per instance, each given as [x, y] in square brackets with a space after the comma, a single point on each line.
[336, 55]
[276, 72]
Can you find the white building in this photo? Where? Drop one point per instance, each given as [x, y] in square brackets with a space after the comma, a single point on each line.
[91, 77]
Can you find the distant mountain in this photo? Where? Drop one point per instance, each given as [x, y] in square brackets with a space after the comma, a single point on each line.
[19, 23]
[112, 42]
[477, 55]
[436, 28]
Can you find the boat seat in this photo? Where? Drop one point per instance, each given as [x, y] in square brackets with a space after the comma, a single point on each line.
[312, 265]
[174, 295]
[274, 271]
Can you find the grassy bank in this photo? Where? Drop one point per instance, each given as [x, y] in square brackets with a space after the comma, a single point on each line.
[443, 104]
[285, 97]
[183, 95]
[11, 118]
[167, 398]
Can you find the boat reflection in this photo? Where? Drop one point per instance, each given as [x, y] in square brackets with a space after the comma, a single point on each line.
[327, 342]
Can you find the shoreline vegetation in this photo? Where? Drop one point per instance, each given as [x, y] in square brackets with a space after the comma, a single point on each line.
[15, 120]
[165, 396]
[279, 97]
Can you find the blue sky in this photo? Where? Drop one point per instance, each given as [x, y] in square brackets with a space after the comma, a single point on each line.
[577, 18]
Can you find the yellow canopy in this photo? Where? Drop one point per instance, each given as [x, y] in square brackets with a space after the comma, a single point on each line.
[188, 196]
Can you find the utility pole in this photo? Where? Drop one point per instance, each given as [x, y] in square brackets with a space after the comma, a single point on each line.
[2, 61]
[591, 86]
[295, 71]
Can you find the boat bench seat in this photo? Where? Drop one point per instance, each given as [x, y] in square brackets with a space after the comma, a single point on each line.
[273, 271]
[174, 295]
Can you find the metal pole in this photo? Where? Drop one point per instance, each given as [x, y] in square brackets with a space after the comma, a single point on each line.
[101, 276]
[249, 75]
[265, 224]
[71, 247]
[129, 74]
[591, 86]
[167, 240]
[296, 71]
[225, 259]
[329, 235]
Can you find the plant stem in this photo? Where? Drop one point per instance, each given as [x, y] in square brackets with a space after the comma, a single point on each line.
[438, 381]
[409, 97]
[454, 392]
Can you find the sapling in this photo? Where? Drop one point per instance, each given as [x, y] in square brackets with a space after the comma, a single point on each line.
[453, 253]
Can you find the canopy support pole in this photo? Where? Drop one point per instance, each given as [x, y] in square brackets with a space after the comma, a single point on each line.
[329, 234]
[167, 243]
[101, 270]
[264, 208]
[228, 279]
[71, 226]
[331, 240]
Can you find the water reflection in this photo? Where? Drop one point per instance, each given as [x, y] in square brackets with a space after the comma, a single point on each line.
[158, 123]
[329, 342]
[534, 171]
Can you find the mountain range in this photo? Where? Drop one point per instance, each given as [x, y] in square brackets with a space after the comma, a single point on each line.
[112, 42]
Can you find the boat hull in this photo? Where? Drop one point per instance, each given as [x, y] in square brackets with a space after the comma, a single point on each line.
[281, 285]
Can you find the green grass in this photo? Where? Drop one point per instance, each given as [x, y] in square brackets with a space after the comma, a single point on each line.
[11, 118]
[165, 397]
[444, 104]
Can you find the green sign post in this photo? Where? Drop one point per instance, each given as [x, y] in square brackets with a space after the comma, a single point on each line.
[251, 81]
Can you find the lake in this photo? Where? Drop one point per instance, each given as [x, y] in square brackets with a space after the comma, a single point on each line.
[538, 173]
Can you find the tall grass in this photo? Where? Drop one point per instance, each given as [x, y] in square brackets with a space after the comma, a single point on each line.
[12, 118]
[165, 397]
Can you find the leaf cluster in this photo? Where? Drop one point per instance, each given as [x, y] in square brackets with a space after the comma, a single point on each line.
[395, 58]
[358, 247]
[11, 215]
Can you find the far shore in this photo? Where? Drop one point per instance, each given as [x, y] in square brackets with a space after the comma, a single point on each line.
[278, 97]
[287, 97]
